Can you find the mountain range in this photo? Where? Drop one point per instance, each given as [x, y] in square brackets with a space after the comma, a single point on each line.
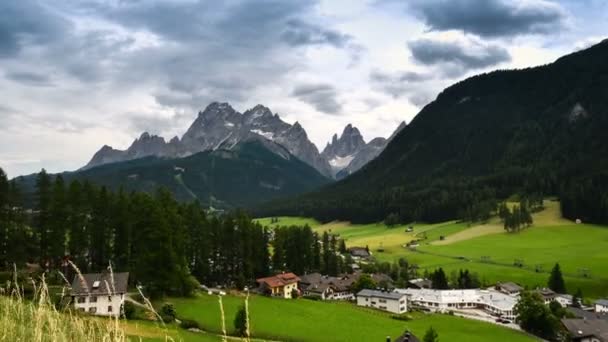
[219, 126]
[528, 133]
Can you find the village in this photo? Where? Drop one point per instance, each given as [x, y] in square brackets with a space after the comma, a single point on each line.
[104, 294]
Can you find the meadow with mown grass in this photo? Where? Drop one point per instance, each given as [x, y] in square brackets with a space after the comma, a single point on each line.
[318, 321]
[489, 250]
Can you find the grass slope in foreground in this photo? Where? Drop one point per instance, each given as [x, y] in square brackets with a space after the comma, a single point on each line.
[312, 321]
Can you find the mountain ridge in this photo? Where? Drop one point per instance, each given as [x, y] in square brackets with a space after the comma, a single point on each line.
[220, 125]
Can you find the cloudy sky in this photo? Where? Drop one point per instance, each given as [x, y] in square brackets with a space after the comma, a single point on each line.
[78, 74]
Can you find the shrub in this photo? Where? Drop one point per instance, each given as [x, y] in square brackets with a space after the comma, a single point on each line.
[129, 310]
[167, 312]
[402, 317]
[189, 324]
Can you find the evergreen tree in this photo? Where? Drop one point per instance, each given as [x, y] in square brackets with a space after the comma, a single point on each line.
[240, 322]
[556, 280]
[4, 219]
[431, 335]
[43, 222]
[58, 220]
[439, 279]
[577, 300]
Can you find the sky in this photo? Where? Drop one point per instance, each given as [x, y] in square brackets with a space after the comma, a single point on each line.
[78, 74]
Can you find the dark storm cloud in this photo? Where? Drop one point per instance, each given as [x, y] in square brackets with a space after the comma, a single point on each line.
[456, 58]
[491, 18]
[299, 33]
[27, 22]
[323, 97]
[29, 78]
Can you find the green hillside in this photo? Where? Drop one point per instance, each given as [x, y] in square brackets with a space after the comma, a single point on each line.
[248, 174]
[534, 132]
[490, 251]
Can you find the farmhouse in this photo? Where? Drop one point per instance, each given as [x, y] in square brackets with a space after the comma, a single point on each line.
[564, 300]
[280, 285]
[583, 330]
[388, 301]
[359, 253]
[493, 302]
[548, 295]
[100, 293]
[509, 288]
[601, 305]
[326, 287]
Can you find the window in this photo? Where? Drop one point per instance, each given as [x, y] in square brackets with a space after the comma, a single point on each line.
[93, 299]
[92, 310]
[82, 299]
[110, 308]
[81, 309]
[110, 299]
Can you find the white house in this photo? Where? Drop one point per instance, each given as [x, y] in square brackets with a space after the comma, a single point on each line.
[388, 301]
[100, 294]
[491, 301]
[564, 300]
[601, 305]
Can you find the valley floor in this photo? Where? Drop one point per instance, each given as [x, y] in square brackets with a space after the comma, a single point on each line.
[488, 250]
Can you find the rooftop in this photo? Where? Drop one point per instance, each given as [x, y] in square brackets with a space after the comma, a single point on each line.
[279, 280]
[380, 294]
[105, 283]
[579, 328]
[489, 297]
[603, 302]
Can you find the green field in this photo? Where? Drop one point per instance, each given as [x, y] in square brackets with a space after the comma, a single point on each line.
[288, 221]
[306, 320]
[488, 250]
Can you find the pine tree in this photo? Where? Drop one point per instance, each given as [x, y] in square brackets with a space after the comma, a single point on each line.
[439, 279]
[58, 220]
[431, 335]
[4, 220]
[43, 222]
[556, 280]
[240, 322]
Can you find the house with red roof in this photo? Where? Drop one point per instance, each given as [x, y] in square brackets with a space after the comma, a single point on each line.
[280, 285]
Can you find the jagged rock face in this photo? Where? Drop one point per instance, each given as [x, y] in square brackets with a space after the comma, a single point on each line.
[220, 126]
[106, 155]
[349, 143]
[367, 153]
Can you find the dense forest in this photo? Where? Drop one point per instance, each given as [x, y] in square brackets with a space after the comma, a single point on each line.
[167, 246]
[533, 132]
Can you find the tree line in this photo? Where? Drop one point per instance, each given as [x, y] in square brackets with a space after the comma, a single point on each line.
[167, 246]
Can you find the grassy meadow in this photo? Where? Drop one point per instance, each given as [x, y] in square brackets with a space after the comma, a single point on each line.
[491, 252]
[306, 320]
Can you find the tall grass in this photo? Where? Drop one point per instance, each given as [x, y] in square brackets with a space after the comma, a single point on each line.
[38, 320]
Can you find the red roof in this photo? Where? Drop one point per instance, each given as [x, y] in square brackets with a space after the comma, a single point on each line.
[279, 280]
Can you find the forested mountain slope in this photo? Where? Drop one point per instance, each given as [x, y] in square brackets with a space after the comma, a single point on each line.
[249, 173]
[536, 131]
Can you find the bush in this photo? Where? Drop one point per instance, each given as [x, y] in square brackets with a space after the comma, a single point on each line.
[402, 317]
[129, 310]
[189, 324]
[167, 312]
